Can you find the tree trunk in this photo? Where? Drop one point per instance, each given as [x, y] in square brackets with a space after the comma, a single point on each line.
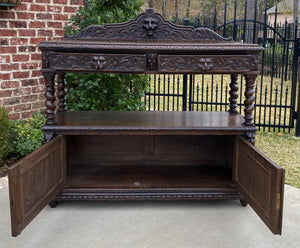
[164, 8]
[296, 11]
[151, 4]
[188, 9]
[176, 11]
[249, 25]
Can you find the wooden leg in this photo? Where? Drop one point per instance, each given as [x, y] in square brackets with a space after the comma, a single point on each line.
[53, 204]
[233, 94]
[50, 97]
[249, 95]
[244, 203]
[61, 93]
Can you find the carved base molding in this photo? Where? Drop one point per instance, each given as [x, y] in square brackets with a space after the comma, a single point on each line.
[78, 194]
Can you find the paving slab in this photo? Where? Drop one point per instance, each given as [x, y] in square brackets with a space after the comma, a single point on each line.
[182, 224]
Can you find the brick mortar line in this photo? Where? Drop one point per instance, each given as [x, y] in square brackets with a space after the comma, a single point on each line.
[22, 70]
[17, 79]
[55, 12]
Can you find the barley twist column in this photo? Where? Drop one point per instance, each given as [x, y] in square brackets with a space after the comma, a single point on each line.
[61, 94]
[50, 97]
[249, 94]
[233, 94]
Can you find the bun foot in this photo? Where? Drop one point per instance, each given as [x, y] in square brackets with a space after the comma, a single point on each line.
[53, 204]
[244, 203]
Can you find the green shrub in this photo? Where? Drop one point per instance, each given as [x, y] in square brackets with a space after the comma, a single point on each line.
[4, 134]
[105, 91]
[101, 12]
[26, 135]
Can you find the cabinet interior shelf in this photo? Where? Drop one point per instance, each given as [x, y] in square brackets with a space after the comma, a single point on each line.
[157, 176]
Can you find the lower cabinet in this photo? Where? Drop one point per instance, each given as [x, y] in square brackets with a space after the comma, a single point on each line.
[146, 167]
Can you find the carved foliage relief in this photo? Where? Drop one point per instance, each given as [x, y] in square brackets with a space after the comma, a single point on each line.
[101, 62]
[148, 25]
[206, 63]
[141, 63]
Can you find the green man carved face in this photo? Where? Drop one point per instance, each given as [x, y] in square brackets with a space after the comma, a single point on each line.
[150, 24]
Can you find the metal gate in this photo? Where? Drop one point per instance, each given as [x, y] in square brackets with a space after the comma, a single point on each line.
[277, 89]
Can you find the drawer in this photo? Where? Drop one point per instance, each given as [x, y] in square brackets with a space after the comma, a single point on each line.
[207, 63]
[95, 62]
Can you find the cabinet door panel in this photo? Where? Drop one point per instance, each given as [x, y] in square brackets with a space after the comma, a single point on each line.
[34, 181]
[261, 182]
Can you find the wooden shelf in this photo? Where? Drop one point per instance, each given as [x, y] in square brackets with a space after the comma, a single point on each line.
[141, 177]
[148, 123]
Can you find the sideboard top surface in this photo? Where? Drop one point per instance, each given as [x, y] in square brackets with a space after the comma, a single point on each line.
[149, 45]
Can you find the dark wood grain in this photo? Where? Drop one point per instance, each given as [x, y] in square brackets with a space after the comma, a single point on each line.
[135, 176]
[205, 63]
[149, 25]
[147, 155]
[34, 181]
[98, 62]
[249, 98]
[50, 97]
[233, 94]
[61, 92]
[148, 122]
[138, 47]
[99, 150]
[261, 181]
[149, 194]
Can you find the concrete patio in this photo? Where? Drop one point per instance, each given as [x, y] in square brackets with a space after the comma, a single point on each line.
[152, 224]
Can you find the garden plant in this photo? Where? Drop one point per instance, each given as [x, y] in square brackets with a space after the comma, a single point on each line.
[18, 138]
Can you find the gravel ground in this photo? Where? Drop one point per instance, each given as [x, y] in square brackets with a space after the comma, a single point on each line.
[6, 163]
[3, 182]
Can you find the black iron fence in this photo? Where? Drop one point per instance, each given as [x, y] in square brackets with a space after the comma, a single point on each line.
[277, 89]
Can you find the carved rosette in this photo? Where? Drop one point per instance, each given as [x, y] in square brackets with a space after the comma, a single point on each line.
[233, 94]
[249, 95]
[61, 92]
[101, 62]
[199, 63]
[149, 25]
[50, 97]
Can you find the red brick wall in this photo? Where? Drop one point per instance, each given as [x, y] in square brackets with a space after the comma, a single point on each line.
[21, 29]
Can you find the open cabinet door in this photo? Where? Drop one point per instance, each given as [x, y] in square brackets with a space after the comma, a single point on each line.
[261, 182]
[34, 181]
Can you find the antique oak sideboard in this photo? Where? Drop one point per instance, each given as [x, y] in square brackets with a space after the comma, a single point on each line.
[117, 156]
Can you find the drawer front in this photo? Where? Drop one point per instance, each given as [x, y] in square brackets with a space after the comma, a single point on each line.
[207, 63]
[98, 62]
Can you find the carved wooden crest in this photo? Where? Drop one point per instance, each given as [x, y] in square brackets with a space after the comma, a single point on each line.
[149, 26]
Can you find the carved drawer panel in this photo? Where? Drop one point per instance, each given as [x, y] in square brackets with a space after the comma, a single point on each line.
[207, 63]
[98, 62]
